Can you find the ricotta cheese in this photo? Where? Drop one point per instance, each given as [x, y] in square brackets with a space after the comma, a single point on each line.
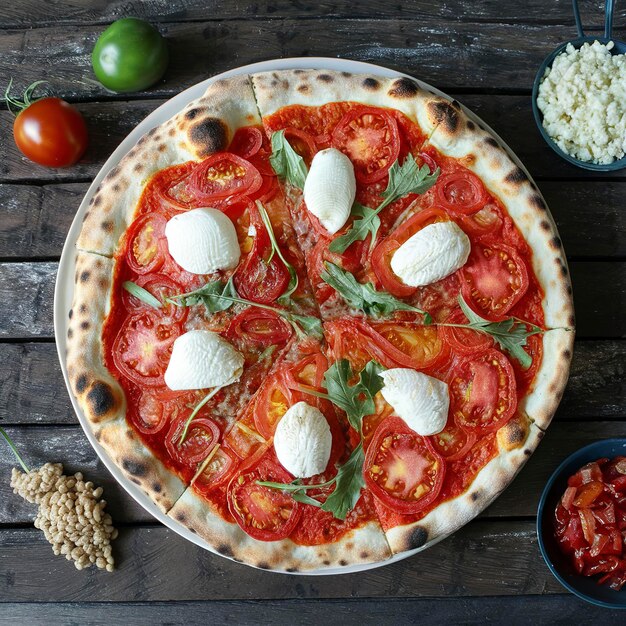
[432, 253]
[202, 241]
[330, 188]
[420, 400]
[201, 359]
[303, 440]
[583, 101]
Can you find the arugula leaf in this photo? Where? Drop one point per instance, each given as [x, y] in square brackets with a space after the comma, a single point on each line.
[301, 496]
[286, 162]
[511, 334]
[364, 296]
[141, 294]
[403, 180]
[348, 484]
[293, 275]
[310, 325]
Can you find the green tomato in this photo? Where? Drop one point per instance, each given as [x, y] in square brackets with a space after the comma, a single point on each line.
[130, 55]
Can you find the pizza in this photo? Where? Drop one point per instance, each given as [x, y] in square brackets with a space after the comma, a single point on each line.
[320, 318]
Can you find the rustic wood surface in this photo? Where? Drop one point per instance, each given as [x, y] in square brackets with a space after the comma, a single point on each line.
[485, 54]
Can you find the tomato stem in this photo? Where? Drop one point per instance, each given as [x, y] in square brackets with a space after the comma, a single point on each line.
[27, 97]
[14, 450]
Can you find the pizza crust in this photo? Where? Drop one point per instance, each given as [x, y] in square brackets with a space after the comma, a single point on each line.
[366, 544]
[204, 126]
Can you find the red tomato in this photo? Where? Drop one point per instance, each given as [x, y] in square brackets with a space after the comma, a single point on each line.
[246, 142]
[401, 468]
[145, 251]
[51, 132]
[149, 414]
[309, 372]
[483, 393]
[428, 160]
[464, 340]
[142, 348]
[493, 279]
[272, 403]
[218, 470]
[202, 435]
[453, 443]
[260, 327]
[256, 279]
[263, 513]
[302, 142]
[369, 137]
[223, 175]
[161, 287]
[487, 221]
[461, 193]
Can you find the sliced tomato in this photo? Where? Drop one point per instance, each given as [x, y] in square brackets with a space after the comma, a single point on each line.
[223, 175]
[272, 403]
[308, 372]
[427, 159]
[258, 279]
[202, 435]
[464, 340]
[146, 248]
[461, 193]
[370, 138]
[142, 348]
[263, 513]
[161, 287]
[246, 142]
[483, 394]
[485, 222]
[401, 468]
[218, 470]
[453, 442]
[381, 264]
[259, 327]
[149, 414]
[302, 142]
[494, 279]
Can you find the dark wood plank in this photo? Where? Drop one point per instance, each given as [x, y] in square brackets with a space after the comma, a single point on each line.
[32, 389]
[451, 55]
[37, 218]
[513, 610]
[156, 564]
[29, 287]
[30, 13]
[68, 445]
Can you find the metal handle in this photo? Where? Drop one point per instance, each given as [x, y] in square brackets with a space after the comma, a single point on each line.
[609, 8]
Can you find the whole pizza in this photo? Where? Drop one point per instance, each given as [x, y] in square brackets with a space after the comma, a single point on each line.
[320, 318]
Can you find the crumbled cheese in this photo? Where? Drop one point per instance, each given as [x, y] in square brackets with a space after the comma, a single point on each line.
[583, 101]
[71, 514]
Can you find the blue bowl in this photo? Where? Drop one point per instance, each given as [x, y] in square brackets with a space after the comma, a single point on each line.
[586, 588]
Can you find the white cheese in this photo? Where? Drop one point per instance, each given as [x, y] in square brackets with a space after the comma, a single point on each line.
[202, 241]
[303, 440]
[420, 400]
[330, 188]
[432, 253]
[201, 359]
[583, 101]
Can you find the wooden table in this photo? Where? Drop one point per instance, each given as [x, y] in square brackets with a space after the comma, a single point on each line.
[486, 54]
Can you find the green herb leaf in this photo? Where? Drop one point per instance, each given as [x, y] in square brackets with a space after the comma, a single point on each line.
[293, 275]
[301, 496]
[364, 296]
[286, 162]
[141, 294]
[403, 180]
[511, 334]
[310, 325]
[348, 484]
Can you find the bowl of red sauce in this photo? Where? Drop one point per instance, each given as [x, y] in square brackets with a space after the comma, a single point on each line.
[581, 523]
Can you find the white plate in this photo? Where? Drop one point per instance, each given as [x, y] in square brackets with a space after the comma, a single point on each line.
[65, 278]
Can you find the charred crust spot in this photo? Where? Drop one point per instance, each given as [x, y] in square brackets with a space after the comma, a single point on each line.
[417, 538]
[104, 285]
[162, 147]
[304, 88]
[298, 71]
[97, 200]
[516, 176]
[474, 496]
[555, 242]
[180, 516]
[171, 132]
[403, 88]
[326, 562]
[263, 565]
[143, 139]
[325, 78]
[82, 308]
[371, 84]
[225, 549]
[515, 434]
[470, 125]
[292, 569]
[571, 321]
[107, 226]
[71, 313]
[81, 383]
[114, 173]
[151, 131]
[138, 167]
[193, 530]
[527, 452]
[101, 400]
[70, 333]
[210, 135]
[134, 468]
[343, 562]
[116, 188]
[156, 487]
[84, 325]
[544, 224]
[490, 141]
[567, 354]
[192, 113]
[274, 83]
[568, 289]
[132, 152]
[445, 114]
[538, 202]
[84, 276]
[364, 554]
[346, 74]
